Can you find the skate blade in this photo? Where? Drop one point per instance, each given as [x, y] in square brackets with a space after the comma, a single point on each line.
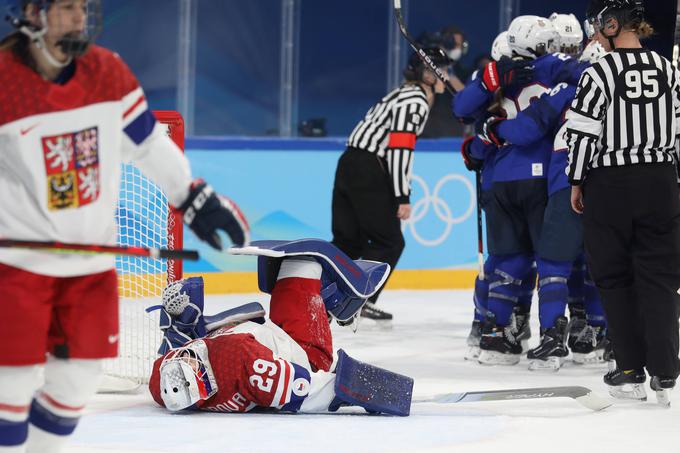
[628, 392]
[497, 358]
[551, 364]
[472, 353]
[592, 358]
[525, 346]
[663, 398]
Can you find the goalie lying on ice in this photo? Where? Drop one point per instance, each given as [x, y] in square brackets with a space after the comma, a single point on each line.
[239, 360]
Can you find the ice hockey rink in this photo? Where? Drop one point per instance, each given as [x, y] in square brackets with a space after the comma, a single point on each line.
[426, 342]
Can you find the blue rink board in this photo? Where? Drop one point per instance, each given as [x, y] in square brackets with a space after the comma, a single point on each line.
[284, 188]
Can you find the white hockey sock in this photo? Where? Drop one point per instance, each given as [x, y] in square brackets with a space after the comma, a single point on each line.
[301, 268]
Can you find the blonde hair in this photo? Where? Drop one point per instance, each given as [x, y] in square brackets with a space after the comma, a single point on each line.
[643, 29]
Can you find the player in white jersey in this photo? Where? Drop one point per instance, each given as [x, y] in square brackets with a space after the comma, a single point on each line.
[70, 114]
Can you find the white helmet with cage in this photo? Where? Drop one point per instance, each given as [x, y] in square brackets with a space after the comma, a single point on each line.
[571, 33]
[186, 378]
[532, 37]
[593, 52]
[500, 47]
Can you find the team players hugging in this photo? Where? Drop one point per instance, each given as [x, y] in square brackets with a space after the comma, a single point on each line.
[518, 104]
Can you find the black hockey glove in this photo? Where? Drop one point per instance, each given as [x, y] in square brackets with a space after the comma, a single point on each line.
[506, 73]
[205, 212]
[488, 131]
[471, 163]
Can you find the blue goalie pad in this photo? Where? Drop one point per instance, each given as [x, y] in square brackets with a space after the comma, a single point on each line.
[346, 283]
[375, 389]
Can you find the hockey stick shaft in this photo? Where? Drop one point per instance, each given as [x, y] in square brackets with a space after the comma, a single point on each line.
[582, 395]
[63, 247]
[480, 232]
[441, 75]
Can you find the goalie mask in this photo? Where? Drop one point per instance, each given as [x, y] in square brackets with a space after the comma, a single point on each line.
[186, 378]
[73, 25]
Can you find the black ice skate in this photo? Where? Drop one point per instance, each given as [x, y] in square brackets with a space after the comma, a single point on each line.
[550, 354]
[577, 322]
[498, 345]
[521, 328]
[473, 340]
[608, 354]
[662, 386]
[382, 318]
[626, 384]
[588, 345]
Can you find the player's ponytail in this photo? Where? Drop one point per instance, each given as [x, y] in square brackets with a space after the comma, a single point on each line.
[18, 43]
[643, 29]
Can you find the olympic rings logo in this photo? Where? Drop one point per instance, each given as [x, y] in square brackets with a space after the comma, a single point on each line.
[440, 207]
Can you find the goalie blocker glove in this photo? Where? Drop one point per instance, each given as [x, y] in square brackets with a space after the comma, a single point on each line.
[206, 212]
[506, 73]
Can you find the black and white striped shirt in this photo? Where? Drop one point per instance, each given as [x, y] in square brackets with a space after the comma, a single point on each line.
[390, 129]
[625, 112]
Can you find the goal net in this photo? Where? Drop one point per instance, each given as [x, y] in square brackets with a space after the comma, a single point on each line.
[144, 219]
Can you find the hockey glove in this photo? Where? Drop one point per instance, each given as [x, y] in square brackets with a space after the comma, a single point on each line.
[471, 163]
[506, 73]
[489, 131]
[205, 212]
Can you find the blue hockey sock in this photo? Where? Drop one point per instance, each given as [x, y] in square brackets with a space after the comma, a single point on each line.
[575, 283]
[526, 294]
[505, 285]
[552, 290]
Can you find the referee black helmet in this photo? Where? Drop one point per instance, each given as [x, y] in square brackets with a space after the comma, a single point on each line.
[416, 67]
[626, 12]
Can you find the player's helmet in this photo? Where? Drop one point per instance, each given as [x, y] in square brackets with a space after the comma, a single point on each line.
[626, 12]
[184, 380]
[532, 37]
[500, 47]
[71, 44]
[416, 67]
[593, 52]
[571, 33]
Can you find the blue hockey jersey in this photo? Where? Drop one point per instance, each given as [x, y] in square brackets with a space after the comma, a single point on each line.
[529, 161]
[544, 120]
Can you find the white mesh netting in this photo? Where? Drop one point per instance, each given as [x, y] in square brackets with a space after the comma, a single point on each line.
[143, 220]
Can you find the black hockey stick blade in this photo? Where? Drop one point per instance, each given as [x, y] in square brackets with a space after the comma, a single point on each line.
[441, 75]
[63, 247]
[582, 395]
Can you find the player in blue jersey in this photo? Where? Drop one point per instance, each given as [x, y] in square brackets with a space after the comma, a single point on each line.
[520, 186]
[479, 156]
[560, 246]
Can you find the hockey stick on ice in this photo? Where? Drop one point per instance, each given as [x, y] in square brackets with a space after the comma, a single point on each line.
[582, 395]
[62, 247]
[441, 75]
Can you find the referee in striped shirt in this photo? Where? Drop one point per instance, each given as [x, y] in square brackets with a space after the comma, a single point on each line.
[622, 131]
[373, 177]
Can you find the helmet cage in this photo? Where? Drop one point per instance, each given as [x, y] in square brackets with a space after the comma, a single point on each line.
[184, 379]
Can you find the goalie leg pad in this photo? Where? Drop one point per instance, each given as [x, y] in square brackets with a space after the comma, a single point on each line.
[375, 389]
[346, 283]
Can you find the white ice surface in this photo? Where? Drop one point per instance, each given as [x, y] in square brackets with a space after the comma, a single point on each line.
[427, 342]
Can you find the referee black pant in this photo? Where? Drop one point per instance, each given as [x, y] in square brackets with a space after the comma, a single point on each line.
[365, 223]
[632, 240]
